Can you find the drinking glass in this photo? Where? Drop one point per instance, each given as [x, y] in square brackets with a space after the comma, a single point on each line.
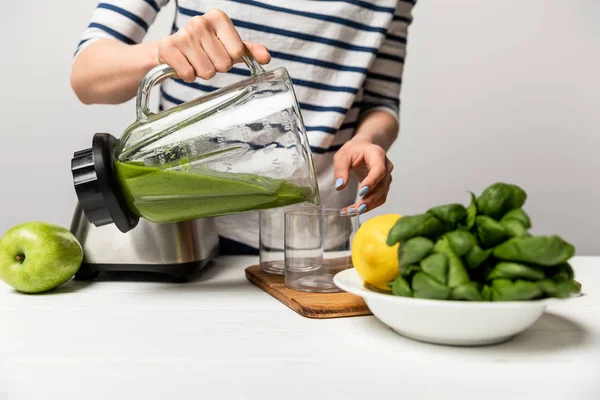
[318, 244]
[271, 232]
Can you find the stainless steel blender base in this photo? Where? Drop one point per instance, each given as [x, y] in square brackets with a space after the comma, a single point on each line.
[177, 249]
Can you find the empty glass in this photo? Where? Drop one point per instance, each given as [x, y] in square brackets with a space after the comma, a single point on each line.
[271, 244]
[317, 246]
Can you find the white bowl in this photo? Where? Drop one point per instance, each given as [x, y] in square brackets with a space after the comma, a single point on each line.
[459, 323]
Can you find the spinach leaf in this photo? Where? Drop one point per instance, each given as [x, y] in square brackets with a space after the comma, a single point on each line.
[519, 215]
[499, 198]
[415, 225]
[486, 293]
[471, 212]
[549, 287]
[561, 271]
[414, 250]
[468, 291]
[461, 242]
[425, 287]
[565, 288]
[476, 256]
[436, 266]
[539, 250]
[400, 287]
[409, 271]
[514, 228]
[449, 213]
[511, 270]
[490, 232]
[457, 274]
[507, 290]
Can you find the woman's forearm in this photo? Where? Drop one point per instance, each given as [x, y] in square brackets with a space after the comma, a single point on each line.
[109, 72]
[378, 127]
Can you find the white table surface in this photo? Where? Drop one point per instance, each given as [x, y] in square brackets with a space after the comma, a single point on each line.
[220, 337]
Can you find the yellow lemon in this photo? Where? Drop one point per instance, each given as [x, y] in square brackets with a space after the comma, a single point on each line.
[373, 259]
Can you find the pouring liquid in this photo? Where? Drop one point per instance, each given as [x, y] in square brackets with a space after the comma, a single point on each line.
[173, 196]
[217, 164]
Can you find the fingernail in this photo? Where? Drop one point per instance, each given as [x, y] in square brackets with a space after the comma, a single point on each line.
[362, 208]
[342, 212]
[363, 191]
[351, 210]
[338, 183]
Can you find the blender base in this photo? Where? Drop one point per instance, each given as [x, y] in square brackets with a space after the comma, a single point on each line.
[180, 273]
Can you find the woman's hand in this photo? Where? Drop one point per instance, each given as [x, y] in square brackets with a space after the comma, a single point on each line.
[206, 45]
[369, 163]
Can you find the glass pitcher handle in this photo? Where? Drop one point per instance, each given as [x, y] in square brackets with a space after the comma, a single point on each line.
[164, 71]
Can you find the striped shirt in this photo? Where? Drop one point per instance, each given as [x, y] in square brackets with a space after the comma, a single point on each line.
[345, 58]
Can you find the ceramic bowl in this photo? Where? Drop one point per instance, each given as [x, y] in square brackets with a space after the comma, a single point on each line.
[459, 323]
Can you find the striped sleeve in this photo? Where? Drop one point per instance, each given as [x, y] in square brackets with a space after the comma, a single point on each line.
[381, 89]
[125, 20]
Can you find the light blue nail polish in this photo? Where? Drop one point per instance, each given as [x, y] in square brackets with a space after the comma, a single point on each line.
[342, 212]
[364, 190]
[338, 183]
[351, 211]
[362, 208]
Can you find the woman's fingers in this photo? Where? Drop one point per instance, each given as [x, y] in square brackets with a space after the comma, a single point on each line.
[206, 45]
[377, 162]
[226, 33]
[207, 29]
[170, 54]
[217, 53]
[195, 55]
[374, 199]
[260, 52]
[222, 27]
[342, 163]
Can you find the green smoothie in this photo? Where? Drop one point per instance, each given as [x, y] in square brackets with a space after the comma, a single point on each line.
[174, 195]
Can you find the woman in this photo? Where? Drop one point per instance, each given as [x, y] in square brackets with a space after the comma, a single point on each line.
[345, 57]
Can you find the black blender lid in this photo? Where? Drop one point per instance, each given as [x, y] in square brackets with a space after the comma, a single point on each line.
[97, 187]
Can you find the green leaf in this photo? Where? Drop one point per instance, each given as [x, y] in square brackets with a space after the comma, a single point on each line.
[549, 287]
[468, 291]
[425, 287]
[512, 270]
[409, 271]
[486, 293]
[519, 215]
[449, 213]
[461, 242]
[500, 198]
[436, 265]
[507, 290]
[490, 232]
[415, 225]
[414, 250]
[471, 212]
[443, 246]
[514, 228]
[539, 250]
[560, 271]
[477, 256]
[400, 287]
[565, 288]
[457, 274]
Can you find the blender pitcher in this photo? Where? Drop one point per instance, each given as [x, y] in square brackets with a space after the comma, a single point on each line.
[243, 147]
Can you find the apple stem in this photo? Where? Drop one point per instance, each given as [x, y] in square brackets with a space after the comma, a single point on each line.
[20, 258]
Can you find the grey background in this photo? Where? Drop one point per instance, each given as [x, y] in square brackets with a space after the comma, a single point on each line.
[493, 91]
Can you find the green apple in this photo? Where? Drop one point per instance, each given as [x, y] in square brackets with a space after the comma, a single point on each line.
[36, 256]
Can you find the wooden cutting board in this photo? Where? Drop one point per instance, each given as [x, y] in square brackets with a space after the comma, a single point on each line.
[310, 305]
